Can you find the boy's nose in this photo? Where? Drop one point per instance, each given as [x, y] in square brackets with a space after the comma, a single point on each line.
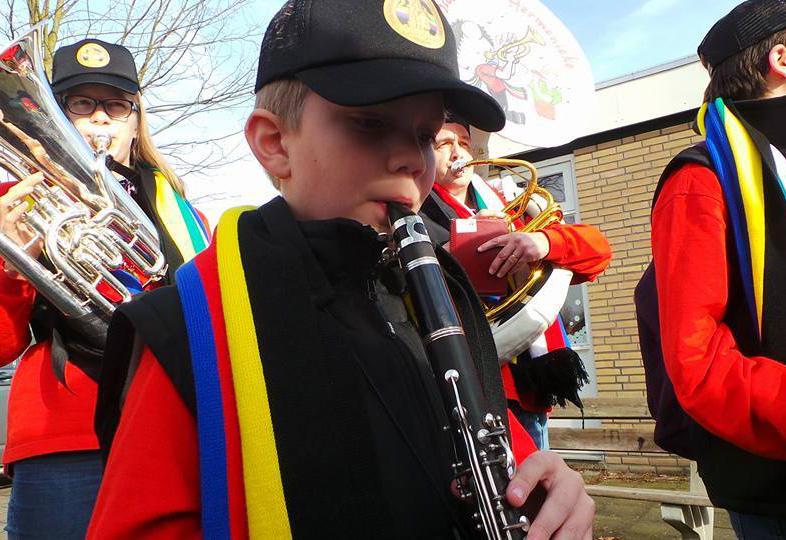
[406, 155]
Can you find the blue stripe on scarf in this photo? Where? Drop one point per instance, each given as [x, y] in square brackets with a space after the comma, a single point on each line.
[210, 409]
[198, 220]
[723, 160]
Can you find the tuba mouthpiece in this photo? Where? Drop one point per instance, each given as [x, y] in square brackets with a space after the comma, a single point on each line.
[101, 142]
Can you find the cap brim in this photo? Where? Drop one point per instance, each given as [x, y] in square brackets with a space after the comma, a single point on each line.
[369, 82]
[120, 83]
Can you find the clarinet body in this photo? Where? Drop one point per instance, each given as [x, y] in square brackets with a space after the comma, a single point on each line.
[484, 460]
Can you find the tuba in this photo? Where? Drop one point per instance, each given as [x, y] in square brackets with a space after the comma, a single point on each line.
[521, 316]
[96, 241]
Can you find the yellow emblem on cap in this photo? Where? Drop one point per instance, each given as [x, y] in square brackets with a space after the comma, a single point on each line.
[416, 20]
[92, 55]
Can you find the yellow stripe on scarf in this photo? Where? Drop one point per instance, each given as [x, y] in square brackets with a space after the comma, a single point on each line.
[171, 217]
[749, 173]
[265, 503]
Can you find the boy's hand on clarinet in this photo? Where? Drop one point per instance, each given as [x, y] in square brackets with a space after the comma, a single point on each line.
[13, 205]
[567, 512]
[518, 250]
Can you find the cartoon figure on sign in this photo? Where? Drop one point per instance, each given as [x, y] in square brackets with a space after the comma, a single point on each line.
[546, 97]
[495, 69]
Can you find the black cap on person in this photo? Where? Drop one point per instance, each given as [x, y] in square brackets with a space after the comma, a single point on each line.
[745, 25]
[363, 52]
[92, 61]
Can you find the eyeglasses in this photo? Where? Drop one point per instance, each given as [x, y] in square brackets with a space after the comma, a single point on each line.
[114, 107]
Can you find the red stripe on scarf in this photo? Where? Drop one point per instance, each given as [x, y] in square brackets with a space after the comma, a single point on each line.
[461, 209]
[207, 263]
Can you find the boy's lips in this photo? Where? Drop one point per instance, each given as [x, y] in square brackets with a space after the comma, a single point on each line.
[402, 201]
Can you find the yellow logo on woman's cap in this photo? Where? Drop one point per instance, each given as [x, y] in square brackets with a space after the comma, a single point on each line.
[92, 55]
[416, 20]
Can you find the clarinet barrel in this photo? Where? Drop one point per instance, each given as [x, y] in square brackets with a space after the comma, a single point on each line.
[484, 463]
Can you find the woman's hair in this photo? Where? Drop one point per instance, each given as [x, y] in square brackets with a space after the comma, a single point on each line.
[744, 75]
[143, 150]
[285, 99]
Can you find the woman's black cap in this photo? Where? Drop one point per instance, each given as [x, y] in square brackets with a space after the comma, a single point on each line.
[363, 52]
[92, 61]
[745, 25]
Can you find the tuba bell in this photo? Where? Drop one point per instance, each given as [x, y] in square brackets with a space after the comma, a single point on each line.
[93, 233]
[520, 317]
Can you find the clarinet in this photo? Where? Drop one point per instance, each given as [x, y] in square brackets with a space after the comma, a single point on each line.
[484, 460]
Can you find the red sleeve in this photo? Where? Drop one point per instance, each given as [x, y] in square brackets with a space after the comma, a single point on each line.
[16, 303]
[580, 248]
[520, 441]
[737, 398]
[150, 488]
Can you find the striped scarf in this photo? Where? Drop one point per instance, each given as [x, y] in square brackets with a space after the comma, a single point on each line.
[267, 422]
[752, 173]
[179, 219]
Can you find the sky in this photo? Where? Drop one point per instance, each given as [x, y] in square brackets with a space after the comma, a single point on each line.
[621, 37]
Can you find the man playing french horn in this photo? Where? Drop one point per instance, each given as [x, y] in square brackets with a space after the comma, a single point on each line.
[533, 379]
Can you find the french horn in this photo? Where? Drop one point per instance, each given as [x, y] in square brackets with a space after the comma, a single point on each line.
[520, 317]
[93, 233]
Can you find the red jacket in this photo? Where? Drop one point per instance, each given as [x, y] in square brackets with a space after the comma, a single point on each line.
[581, 249]
[43, 415]
[155, 451]
[737, 398]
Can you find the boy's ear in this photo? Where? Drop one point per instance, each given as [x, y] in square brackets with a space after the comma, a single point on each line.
[778, 63]
[265, 138]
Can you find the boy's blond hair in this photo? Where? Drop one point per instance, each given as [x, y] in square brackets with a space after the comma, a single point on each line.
[285, 99]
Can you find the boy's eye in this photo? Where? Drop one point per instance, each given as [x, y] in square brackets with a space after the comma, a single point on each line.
[369, 123]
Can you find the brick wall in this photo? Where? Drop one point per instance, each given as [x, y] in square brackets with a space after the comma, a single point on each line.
[615, 182]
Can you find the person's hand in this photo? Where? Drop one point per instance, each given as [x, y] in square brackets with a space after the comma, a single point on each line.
[12, 206]
[486, 213]
[567, 512]
[519, 249]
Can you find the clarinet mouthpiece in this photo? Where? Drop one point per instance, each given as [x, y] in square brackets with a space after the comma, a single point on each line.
[397, 211]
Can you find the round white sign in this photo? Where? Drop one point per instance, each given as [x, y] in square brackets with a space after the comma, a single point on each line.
[520, 53]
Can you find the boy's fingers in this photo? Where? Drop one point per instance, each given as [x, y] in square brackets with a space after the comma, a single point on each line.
[554, 513]
[529, 472]
[579, 524]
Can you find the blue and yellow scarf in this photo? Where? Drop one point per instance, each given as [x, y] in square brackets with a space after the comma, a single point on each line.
[751, 173]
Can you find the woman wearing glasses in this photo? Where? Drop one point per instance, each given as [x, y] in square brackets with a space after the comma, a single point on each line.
[52, 451]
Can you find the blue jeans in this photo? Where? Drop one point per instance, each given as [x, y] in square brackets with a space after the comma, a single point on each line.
[52, 496]
[535, 424]
[750, 527]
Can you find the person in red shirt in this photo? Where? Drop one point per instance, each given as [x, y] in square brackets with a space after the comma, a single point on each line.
[728, 375]
[348, 437]
[580, 248]
[51, 448]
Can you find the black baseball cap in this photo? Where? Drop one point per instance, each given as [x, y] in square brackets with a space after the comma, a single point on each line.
[745, 25]
[452, 117]
[92, 61]
[363, 52]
